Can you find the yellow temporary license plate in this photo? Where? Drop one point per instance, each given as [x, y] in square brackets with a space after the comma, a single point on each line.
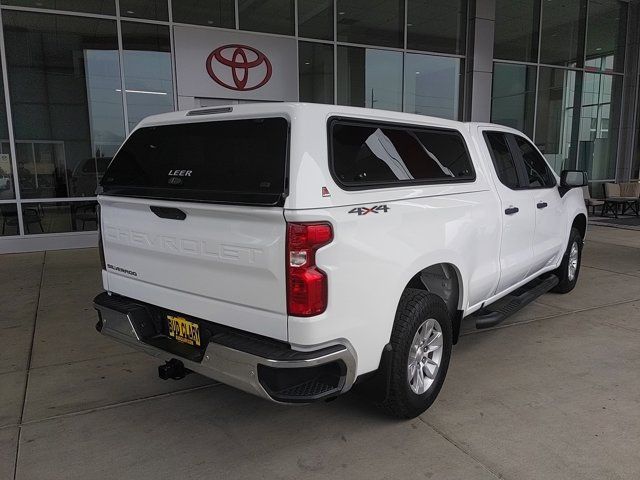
[183, 330]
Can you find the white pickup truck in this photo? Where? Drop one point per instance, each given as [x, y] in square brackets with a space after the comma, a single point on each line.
[292, 250]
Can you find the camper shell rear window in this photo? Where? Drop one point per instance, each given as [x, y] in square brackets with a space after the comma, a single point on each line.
[227, 161]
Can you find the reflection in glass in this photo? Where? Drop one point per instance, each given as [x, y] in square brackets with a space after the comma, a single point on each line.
[8, 218]
[316, 72]
[516, 30]
[513, 98]
[557, 101]
[606, 34]
[438, 26]
[216, 13]
[562, 32]
[58, 217]
[104, 7]
[315, 19]
[269, 16]
[7, 182]
[147, 70]
[370, 78]
[361, 22]
[64, 80]
[599, 123]
[151, 9]
[432, 85]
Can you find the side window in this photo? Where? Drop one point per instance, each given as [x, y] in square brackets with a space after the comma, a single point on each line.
[366, 154]
[537, 171]
[503, 160]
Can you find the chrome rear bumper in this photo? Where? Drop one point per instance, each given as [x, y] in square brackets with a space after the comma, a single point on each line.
[240, 368]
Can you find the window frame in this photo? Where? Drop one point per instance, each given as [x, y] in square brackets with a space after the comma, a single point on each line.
[516, 154]
[485, 135]
[360, 122]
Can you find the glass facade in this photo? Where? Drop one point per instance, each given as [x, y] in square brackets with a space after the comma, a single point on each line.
[368, 77]
[315, 65]
[563, 82]
[517, 30]
[380, 22]
[437, 26]
[66, 109]
[147, 70]
[81, 74]
[514, 94]
[432, 85]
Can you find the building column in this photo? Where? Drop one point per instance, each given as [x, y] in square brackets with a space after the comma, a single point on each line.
[628, 134]
[479, 64]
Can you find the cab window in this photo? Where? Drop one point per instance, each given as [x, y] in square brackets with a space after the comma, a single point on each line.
[537, 172]
[503, 159]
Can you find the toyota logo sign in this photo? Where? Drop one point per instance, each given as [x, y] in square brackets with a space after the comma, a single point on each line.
[239, 67]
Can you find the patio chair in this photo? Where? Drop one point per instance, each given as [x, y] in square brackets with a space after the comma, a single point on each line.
[30, 216]
[623, 195]
[591, 202]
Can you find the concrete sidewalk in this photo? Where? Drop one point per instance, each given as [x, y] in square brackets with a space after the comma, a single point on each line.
[552, 393]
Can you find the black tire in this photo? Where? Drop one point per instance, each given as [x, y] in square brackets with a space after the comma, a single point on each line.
[567, 284]
[415, 307]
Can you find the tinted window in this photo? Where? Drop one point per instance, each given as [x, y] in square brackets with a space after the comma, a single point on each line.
[502, 159]
[237, 161]
[537, 171]
[367, 154]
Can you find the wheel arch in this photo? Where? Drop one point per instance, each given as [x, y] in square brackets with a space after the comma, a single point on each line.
[445, 280]
[580, 223]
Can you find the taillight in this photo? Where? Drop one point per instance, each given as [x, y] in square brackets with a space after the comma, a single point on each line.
[306, 283]
[100, 244]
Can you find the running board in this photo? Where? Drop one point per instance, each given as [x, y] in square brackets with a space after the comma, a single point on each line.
[497, 312]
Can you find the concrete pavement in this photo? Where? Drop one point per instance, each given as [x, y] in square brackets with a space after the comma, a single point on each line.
[552, 393]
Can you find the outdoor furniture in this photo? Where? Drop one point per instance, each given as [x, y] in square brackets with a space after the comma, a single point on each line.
[83, 213]
[30, 216]
[591, 202]
[623, 195]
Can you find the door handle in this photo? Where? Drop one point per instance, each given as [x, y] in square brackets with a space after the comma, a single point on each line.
[542, 205]
[168, 212]
[511, 210]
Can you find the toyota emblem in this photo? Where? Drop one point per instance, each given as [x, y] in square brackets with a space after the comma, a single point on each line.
[239, 67]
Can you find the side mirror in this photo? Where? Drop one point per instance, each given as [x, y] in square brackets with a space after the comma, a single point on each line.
[572, 179]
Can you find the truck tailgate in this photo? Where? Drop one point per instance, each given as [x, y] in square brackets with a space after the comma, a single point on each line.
[222, 263]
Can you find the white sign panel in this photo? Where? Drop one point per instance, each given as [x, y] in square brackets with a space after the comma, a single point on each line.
[248, 66]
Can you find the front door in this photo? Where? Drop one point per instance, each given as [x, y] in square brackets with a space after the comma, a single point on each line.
[550, 229]
[517, 212]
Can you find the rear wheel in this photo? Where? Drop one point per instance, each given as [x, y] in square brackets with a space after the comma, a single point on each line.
[421, 344]
[570, 267]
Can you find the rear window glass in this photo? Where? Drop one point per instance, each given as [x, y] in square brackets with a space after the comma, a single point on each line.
[371, 154]
[234, 161]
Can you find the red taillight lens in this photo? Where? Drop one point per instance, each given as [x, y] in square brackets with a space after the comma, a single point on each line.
[306, 283]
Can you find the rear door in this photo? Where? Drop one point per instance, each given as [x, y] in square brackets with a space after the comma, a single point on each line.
[517, 212]
[192, 221]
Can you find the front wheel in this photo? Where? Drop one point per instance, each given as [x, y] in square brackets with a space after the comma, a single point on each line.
[569, 269]
[421, 343]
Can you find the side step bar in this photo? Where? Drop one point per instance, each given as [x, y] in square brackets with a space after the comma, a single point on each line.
[497, 312]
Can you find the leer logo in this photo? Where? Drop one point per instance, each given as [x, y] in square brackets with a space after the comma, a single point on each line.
[249, 67]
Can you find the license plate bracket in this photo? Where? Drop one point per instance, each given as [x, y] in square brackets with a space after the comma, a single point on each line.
[183, 330]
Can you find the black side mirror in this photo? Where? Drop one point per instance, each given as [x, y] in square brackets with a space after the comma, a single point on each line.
[572, 179]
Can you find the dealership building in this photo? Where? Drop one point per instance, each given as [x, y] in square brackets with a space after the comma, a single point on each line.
[78, 75]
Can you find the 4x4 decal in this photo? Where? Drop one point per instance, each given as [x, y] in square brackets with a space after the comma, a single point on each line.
[367, 210]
